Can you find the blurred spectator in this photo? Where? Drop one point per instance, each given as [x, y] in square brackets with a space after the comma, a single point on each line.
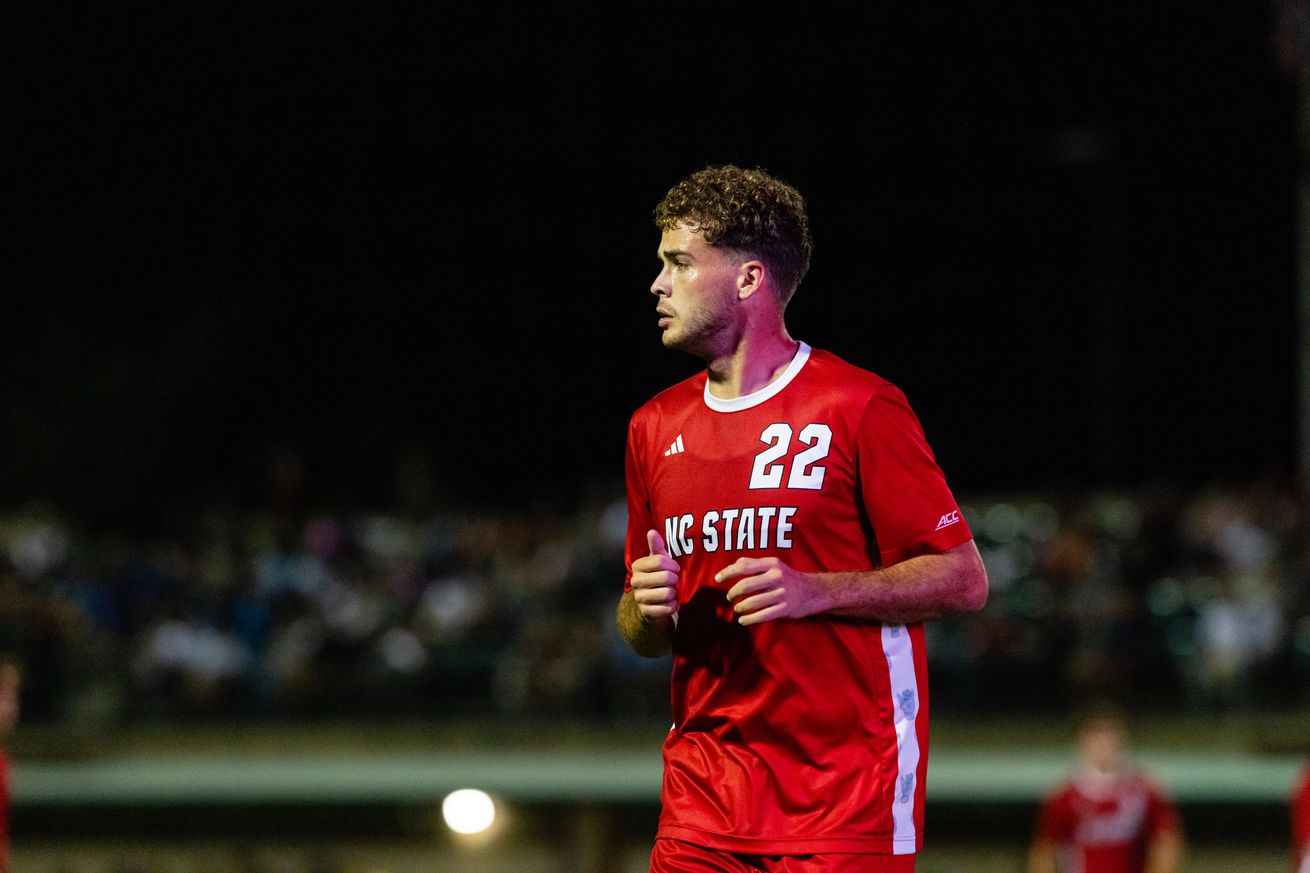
[1161, 597]
[10, 686]
[1108, 817]
[1301, 822]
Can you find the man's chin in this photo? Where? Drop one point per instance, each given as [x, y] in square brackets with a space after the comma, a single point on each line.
[693, 344]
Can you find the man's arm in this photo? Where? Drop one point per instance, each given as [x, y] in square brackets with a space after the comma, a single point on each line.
[1165, 852]
[1042, 856]
[649, 638]
[911, 591]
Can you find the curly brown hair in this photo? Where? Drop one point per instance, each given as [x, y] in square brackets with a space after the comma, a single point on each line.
[748, 211]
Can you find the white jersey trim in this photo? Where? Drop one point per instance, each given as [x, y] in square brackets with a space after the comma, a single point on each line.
[755, 398]
[899, 650]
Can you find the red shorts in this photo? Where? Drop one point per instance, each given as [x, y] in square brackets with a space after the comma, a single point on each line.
[675, 856]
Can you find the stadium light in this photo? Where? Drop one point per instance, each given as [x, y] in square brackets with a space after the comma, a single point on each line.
[468, 811]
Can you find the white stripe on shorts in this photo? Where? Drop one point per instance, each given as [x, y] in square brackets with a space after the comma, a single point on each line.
[899, 649]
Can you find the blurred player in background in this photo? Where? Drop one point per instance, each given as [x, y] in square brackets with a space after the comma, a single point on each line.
[1108, 817]
[1301, 822]
[10, 685]
[788, 532]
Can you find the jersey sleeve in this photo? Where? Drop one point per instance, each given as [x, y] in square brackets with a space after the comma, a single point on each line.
[1055, 820]
[639, 516]
[911, 510]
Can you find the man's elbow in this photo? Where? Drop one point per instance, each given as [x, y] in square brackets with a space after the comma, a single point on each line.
[970, 593]
[976, 590]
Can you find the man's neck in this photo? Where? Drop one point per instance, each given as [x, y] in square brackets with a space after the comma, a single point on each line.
[753, 362]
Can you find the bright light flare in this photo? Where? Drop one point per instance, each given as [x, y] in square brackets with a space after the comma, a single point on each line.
[468, 811]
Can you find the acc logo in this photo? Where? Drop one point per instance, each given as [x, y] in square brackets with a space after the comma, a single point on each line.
[949, 519]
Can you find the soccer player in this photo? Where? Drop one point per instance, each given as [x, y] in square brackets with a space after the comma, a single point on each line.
[1108, 817]
[789, 531]
[1301, 822]
[10, 685]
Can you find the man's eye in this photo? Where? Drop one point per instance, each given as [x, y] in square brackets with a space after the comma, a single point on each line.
[678, 265]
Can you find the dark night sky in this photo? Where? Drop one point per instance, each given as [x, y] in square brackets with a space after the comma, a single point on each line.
[349, 231]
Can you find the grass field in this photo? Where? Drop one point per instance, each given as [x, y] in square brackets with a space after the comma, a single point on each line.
[103, 838]
[392, 857]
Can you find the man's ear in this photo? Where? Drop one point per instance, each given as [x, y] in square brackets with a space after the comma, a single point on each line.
[750, 278]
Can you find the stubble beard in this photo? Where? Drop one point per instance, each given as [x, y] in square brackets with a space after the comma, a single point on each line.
[700, 335]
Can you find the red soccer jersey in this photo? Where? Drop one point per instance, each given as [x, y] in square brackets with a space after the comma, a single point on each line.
[792, 736]
[1106, 831]
[1301, 822]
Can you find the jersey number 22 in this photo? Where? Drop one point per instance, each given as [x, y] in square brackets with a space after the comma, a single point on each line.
[805, 472]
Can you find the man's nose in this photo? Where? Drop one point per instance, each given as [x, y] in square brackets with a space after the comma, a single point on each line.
[660, 287]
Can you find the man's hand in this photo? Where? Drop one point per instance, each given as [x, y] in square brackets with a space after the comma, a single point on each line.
[909, 591]
[655, 582]
[770, 589]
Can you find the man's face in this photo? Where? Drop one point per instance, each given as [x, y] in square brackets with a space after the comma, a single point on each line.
[1103, 745]
[696, 293]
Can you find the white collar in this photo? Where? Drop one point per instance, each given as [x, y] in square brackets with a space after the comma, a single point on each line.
[755, 398]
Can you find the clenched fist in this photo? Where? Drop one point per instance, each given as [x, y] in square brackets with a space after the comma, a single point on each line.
[655, 582]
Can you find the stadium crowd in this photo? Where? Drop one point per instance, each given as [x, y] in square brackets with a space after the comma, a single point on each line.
[1190, 600]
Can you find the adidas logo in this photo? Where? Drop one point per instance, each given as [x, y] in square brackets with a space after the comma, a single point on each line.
[948, 519]
[675, 448]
